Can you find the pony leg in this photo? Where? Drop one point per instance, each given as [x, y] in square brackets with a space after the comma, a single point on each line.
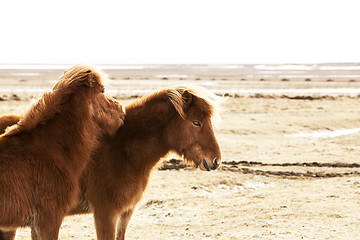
[34, 235]
[105, 225]
[123, 223]
[47, 227]
[9, 235]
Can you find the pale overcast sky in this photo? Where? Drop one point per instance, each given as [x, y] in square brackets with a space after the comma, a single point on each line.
[179, 31]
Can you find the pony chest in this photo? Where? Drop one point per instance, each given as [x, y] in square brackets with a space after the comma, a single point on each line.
[129, 193]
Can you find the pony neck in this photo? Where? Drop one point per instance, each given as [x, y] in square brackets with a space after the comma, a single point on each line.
[141, 136]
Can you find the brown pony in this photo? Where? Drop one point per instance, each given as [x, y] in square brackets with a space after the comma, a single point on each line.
[43, 155]
[175, 119]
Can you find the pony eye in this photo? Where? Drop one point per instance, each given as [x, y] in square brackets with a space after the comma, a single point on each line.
[197, 123]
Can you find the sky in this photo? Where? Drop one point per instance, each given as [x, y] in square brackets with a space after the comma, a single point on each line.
[179, 31]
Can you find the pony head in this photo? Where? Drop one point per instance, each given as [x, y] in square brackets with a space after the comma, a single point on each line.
[191, 133]
[105, 111]
[79, 86]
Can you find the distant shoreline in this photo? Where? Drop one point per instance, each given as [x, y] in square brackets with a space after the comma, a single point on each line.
[287, 66]
[243, 72]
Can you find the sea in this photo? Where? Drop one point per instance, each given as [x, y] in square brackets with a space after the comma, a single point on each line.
[220, 78]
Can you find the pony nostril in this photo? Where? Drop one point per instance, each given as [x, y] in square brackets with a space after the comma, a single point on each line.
[216, 162]
[206, 165]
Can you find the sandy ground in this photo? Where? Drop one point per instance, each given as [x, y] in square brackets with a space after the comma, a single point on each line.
[273, 184]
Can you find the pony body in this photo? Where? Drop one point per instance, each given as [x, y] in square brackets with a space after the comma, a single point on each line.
[43, 155]
[175, 119]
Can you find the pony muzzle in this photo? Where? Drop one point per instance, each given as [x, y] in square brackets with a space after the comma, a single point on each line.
[216, 164]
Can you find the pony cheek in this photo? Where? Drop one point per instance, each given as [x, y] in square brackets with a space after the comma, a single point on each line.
[175, 135]
[113, 124]
[108, 119]
[109, 126]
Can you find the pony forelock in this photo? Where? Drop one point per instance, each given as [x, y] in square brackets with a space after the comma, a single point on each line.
[210, 104]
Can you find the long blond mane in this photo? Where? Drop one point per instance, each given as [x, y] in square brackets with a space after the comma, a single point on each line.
[50, 103]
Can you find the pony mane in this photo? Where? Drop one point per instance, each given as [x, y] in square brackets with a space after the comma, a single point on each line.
[50, 103]
[210, 104]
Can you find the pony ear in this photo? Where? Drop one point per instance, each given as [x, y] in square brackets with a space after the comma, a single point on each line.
[187, 97]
